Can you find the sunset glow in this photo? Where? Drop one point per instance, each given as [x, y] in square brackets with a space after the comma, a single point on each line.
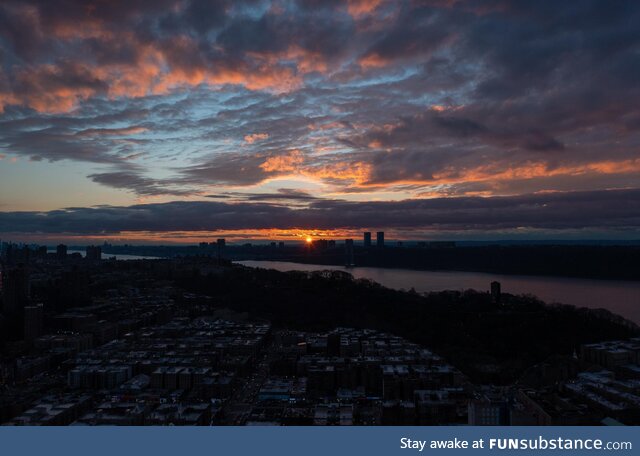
[173, 121]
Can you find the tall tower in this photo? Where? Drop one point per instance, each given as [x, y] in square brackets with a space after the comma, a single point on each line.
[367, 239]
[61, 251]
[348, 251]
[380, 239]
[496, 292]
[221, 244]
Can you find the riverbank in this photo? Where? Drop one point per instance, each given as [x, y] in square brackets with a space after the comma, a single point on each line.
[490, 342]
[619, 297]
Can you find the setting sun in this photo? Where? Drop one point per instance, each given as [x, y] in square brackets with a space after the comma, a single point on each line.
[309, 239]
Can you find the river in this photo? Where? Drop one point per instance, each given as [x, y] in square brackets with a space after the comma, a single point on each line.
[620, 297]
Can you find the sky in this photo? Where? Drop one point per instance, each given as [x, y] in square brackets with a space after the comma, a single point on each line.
[182, 120]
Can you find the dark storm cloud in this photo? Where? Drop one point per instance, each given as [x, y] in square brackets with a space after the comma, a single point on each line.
[63, 138]
[229, 168]
[53, 145]
[613, 210]
[319, 32]
[287, 195]
[419, 30]
[137, 183]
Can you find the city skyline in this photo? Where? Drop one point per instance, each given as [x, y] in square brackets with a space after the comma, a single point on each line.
[181, 121]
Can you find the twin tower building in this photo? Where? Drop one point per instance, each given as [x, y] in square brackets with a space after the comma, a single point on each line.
[348, 245]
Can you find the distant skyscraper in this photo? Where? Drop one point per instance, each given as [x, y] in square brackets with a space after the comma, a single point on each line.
[33, 318]
[367, 238]
[380, 239]
[94, 252]
[496, 293]
[221, 244]
[348, 251]
[61, 251]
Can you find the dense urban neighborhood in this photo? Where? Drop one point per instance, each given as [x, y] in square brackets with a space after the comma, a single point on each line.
[196, 340]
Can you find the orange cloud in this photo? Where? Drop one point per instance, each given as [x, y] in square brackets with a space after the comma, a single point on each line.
[283, 163]
[295, 166]
[497, 172]
[7, 99]
[533, 170]
[356, 172]
[157, 69]
[373, 61]
[359, 8]
[255, 137]
[306, 61]
[44, 89]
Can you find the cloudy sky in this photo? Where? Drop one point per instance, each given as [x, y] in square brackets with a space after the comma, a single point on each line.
[176, 120]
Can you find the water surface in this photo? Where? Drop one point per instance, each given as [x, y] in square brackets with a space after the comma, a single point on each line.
[620, 297]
